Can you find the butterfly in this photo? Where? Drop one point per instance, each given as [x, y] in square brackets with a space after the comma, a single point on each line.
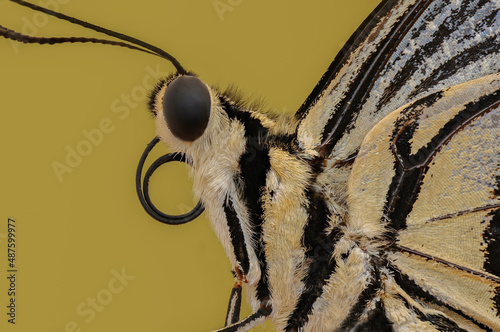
[376, 206]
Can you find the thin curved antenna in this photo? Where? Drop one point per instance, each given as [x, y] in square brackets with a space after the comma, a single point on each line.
[19, 37]
[141, 46]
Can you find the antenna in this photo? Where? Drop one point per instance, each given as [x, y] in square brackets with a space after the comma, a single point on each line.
[128, 41]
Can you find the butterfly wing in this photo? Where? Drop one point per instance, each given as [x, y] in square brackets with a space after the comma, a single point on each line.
[405, 50]
[439, 273]
[430, 173]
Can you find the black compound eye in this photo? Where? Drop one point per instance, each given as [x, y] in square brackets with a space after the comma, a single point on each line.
[186, 106]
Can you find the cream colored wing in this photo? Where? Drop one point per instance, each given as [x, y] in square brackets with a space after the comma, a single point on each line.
[404, 51]
[426, 183]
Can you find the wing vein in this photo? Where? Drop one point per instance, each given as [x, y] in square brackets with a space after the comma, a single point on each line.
[442, 261]
[463, 212]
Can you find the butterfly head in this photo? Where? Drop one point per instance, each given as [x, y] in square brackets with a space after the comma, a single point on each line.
[186, 104]
[191, 118]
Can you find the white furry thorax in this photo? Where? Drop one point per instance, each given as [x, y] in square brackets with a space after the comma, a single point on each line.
[215, 158]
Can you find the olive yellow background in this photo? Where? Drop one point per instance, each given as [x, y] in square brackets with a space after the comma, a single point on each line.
[77, 231]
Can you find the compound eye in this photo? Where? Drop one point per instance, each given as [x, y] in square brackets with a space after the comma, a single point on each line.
[186, 106]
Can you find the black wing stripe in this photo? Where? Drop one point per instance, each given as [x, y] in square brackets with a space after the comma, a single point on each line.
[410, 169]
[465, 46]
[492, 252]
[436, 43]
[496, 300]
[406, 71]
[352, 44]
[492, 238]
[405, 181]
[359, 88]
[450, 67]
[419, 48]
[415, 291]
[440, 322]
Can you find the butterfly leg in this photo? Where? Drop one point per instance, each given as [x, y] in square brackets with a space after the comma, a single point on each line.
[234, 305]
[232, 323]
[249, 322]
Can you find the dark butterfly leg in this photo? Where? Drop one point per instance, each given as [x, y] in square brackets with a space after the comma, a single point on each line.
[234, 305]
[232, 323]
[253, 320]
